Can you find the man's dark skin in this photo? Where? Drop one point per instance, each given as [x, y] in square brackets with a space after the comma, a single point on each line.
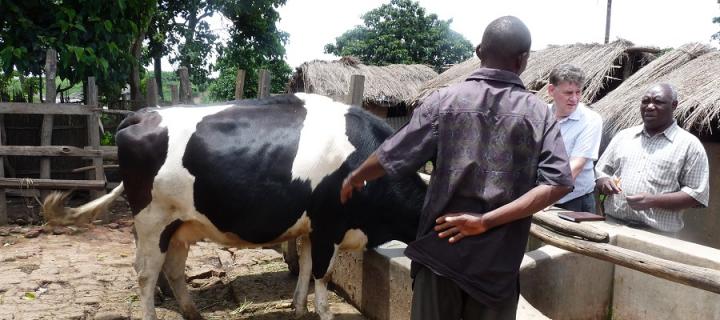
[458, 225]
[656, 108]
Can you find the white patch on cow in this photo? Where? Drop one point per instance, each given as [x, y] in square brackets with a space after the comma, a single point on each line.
[353, 240]
[173, 180]
[324, 144]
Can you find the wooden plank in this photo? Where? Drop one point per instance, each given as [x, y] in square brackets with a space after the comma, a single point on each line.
[108, 152]
[48, 151]
[239, 84]
[152, 97]
[47, 124]
[264, 83]
[3, 201]
[93, 124]
[44, 108]
[694, 276]
[117, 111]
[356, 92]
[174, 94]
[26, 183]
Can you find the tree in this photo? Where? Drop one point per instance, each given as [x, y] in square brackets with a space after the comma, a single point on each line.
[92, 38]
[255, 43]
[198, 39]
[716, 36]
[402, 32]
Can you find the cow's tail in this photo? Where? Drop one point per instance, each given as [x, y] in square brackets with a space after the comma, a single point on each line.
[56, 213]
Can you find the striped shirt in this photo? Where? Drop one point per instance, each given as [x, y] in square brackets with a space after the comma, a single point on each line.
[671, 161]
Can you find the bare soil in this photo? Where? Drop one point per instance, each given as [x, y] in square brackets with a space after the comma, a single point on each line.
[87, 273]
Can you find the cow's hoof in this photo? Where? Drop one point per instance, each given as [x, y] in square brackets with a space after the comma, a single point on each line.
[300, 312]
[326, 316]
[194, 315]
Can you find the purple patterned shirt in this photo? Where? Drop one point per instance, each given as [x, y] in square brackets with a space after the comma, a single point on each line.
[491, 141]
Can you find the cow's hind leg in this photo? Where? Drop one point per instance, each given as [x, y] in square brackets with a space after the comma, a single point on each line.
[152, 237]
[174, 268]
[303, 283]
[148, 263]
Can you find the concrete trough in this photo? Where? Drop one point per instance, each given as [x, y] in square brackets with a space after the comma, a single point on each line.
[555, 284]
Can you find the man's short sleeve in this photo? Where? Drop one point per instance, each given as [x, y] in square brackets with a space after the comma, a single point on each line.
[415, 143]
[587, 144]
[695, 174]
[606, 165]
[553, 166]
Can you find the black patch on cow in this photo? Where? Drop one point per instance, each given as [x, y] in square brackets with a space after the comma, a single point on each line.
[167, 234]
[241, 159]
[142, 150]
[386, 209]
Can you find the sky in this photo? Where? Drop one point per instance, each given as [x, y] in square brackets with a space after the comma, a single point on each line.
[659, 23]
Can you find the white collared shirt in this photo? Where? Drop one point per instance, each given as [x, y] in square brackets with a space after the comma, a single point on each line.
[671, 161]
[581, 132]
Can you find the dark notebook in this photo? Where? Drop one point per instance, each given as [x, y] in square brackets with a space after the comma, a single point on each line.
[580, 216]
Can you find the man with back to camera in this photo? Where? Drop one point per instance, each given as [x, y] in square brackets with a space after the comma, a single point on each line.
[499, 159]
[581, 130]
[652, 172]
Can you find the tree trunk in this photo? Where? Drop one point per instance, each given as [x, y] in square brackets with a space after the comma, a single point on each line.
[135, 92]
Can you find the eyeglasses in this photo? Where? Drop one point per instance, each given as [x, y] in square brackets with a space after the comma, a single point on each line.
[654, 100]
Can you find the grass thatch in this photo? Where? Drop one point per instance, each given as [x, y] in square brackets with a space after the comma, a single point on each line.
[387, 85]
[693, 69]
[600, 63]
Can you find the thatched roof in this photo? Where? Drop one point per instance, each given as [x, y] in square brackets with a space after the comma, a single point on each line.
[387, 85]
[694, 70]
[601, 64]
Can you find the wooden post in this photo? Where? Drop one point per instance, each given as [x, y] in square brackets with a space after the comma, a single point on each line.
[151, 98]
[47, 124]
[185, 87]
[3, 202]
[93, 124]
[264, 84]
[357, 88]
[239, 84]
[174, 94]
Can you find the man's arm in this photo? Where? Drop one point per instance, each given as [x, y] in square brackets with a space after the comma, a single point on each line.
[670, 201]
[576, 166]
[459, 225]
[369, 170]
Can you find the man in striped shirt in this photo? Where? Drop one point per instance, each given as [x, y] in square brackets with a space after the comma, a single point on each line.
[654, 171]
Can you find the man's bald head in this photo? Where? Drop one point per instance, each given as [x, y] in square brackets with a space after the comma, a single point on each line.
[505, 40]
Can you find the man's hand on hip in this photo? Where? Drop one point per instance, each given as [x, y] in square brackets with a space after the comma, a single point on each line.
[459, 225]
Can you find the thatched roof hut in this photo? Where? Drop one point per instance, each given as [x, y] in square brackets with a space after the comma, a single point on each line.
[694, 70]
[605, 66]
[386, 86]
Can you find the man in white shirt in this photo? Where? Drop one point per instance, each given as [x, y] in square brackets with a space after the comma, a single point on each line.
[581, 130]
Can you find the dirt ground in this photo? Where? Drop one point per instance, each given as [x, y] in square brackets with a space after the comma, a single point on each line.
[87, 273]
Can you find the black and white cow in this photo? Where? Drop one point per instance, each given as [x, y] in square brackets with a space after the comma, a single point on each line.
[249, 174]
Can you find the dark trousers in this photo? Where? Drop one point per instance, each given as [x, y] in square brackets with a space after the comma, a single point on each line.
[439, 298]
[584, 203]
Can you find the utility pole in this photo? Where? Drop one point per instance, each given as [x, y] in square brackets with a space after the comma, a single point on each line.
[607, 21]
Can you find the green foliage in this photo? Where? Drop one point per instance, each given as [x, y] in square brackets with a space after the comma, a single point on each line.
[91, 37]
[255, 43]
[402, 32]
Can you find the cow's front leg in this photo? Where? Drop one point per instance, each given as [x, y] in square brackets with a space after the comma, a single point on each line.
[303, 283]
[324, 254]
[174, 268]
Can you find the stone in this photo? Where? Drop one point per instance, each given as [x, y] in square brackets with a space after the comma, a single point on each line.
[32, 233]
[109, 315]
